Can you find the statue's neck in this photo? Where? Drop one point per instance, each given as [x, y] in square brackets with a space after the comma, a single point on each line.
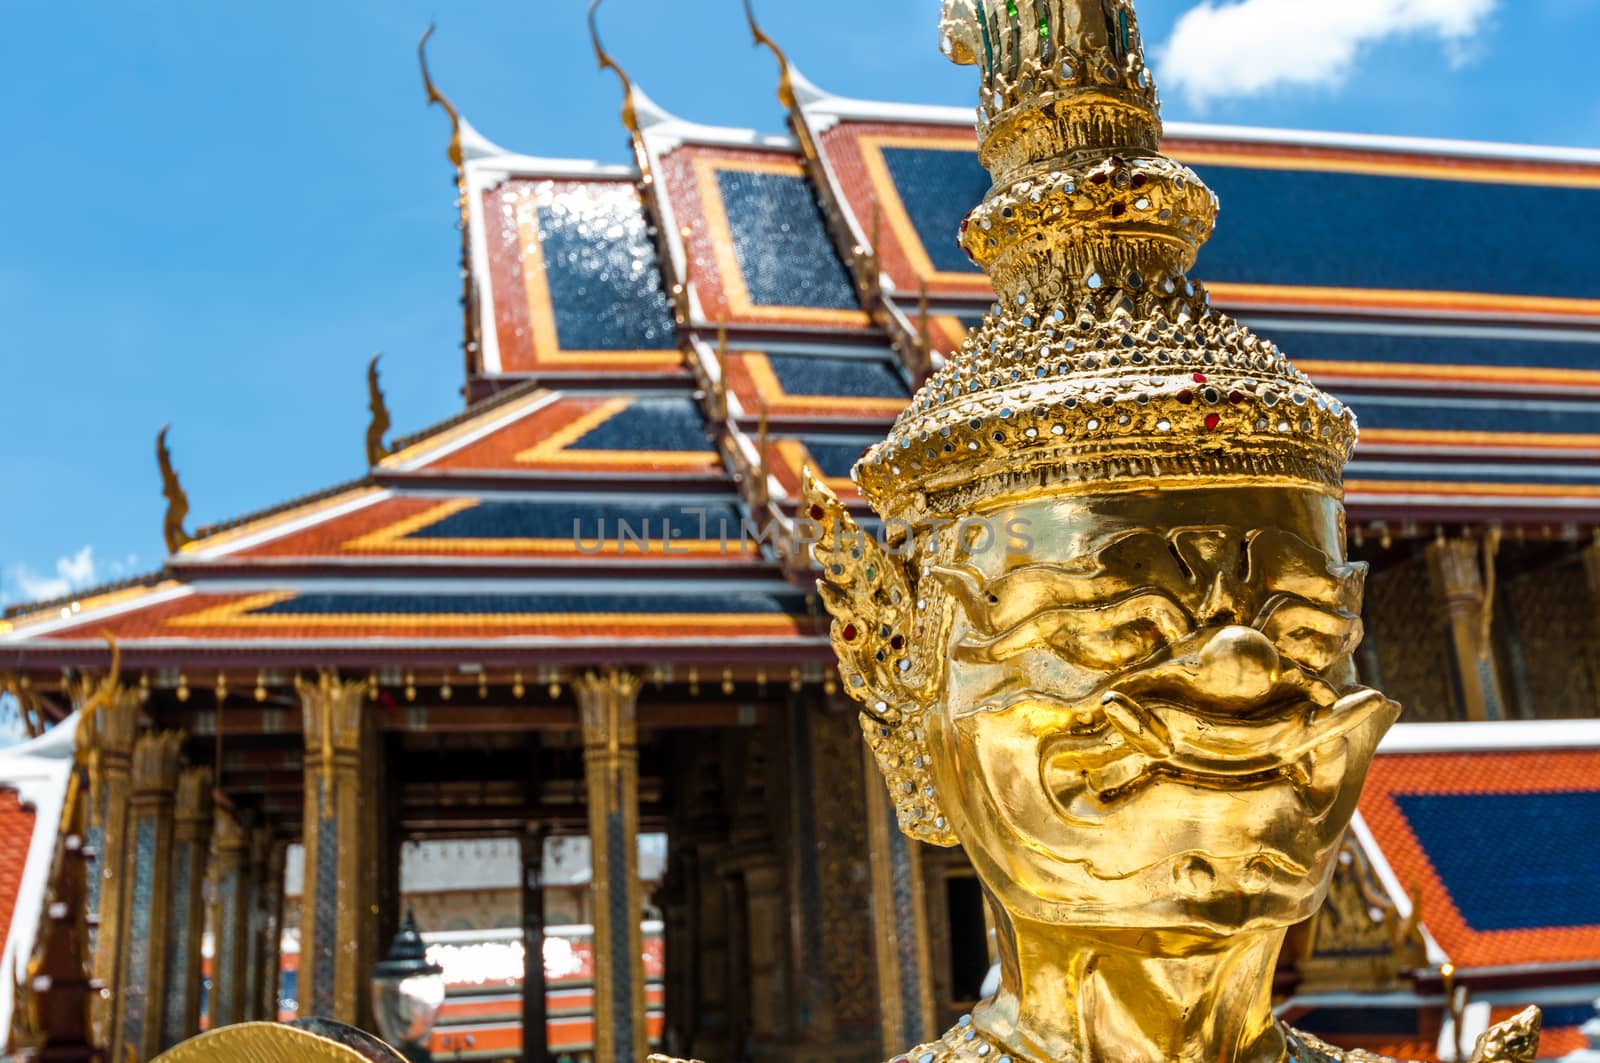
[1133, 997]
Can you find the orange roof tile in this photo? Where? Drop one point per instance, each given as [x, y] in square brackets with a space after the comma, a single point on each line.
[16, 836]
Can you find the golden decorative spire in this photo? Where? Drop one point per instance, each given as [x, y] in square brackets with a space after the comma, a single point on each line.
[469, 298]
[629, 118]
[177, 500]
[1102, 362]
[785, 76]
[90, 703]
[380, 423]
[435, 96]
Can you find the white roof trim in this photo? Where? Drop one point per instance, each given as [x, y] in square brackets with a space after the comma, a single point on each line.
[27, 632]
[477, 182]
[496, 168]
[493, 422]
[532, 585]
[474, 145]
[1392, 885]
[663, 131]
[1493, 737]
[832, 109]
[289, 527]
[1472, 149]
[610, 646]
[38, 770]
[1487, 503]
[1442, 329]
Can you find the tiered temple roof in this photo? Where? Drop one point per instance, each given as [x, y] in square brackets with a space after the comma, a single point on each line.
[655, 352]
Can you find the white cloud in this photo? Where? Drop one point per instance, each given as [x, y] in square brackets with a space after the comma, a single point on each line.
[72, 572]
[1225, 49]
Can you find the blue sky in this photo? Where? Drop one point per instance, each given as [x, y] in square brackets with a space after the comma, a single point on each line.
[215, 213]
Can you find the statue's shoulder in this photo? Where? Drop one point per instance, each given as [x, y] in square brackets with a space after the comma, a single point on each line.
[1514, 1041]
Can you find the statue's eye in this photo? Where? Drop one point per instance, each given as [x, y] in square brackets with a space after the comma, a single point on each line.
[1311, 636]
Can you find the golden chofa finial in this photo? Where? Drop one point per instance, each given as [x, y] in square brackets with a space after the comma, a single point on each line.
[172, 491]
[435, 96]
[378, 427]
[629, 118]
[785, 76]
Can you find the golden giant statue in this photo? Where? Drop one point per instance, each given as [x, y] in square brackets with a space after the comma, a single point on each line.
[1104, 639]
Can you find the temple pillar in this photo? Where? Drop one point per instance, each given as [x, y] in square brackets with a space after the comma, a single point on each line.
[260, 847]
[535, 1019]
[761, 986]
[180, 1016]
[672, 898]
[696, 909]
[1459, 583]
[111, 738]
[708, 937]
[334, 957]
[833, 998]
[899, 922]
[607, 705]
[268, 932]
[230, 845]
[149, 894]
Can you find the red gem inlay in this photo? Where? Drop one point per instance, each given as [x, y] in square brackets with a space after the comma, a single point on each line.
[1199, 378]
[1235, 397]
[1186, 397]
[817, 513]
[1212, 420]
[849, 632]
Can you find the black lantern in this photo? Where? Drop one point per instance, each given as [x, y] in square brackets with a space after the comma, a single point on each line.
[407, 992]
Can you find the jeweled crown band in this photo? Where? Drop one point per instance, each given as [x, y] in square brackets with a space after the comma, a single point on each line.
[1037, 400]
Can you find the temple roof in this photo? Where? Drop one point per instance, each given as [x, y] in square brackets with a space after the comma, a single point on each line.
[33, 789]
[665, 346]
[1489, 823]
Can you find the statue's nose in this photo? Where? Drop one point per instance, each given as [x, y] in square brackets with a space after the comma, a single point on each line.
[1234, 665]
[1225, 668]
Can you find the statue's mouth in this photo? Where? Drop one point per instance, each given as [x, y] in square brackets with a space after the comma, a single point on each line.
[1109, 755]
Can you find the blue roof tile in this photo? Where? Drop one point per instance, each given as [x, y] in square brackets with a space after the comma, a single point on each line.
[1513, 861]
[782, 243]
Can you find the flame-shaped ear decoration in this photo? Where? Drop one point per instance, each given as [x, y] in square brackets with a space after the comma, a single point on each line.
[889, 656]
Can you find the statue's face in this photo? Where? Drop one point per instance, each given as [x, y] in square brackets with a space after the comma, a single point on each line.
[1149, 718]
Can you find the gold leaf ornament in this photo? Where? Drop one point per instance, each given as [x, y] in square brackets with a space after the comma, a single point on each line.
[878, 633]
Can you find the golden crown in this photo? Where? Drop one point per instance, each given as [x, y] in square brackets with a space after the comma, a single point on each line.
[1102, 366]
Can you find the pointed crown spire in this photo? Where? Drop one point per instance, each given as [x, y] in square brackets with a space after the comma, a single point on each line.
[1102, 367]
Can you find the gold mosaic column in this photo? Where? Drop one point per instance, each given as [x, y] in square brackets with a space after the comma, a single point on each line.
[900, 924]
[1459, 581]
[110, 758]
[333, 964]
[606, 704]
[229, 856]
[180, 1014]
[149, 896]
